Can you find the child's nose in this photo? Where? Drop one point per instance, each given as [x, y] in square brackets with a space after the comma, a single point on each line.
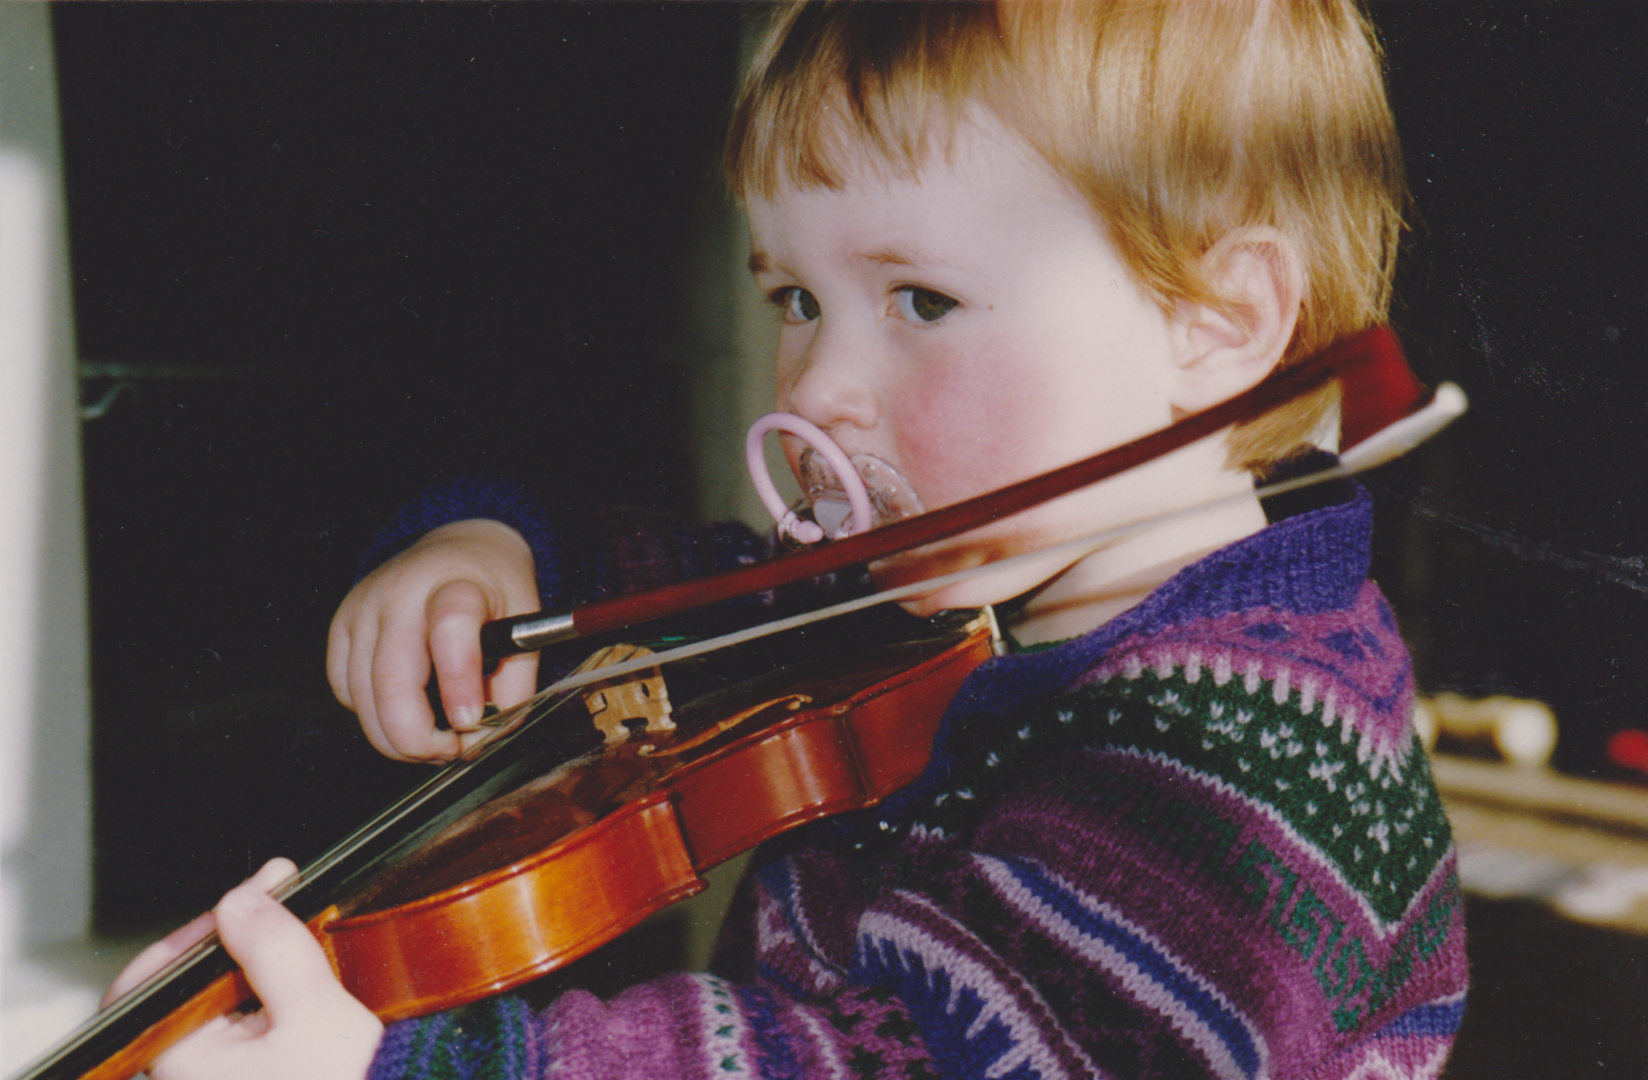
[834, 386]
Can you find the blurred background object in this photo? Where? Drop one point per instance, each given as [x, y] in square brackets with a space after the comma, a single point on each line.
[1513, 730]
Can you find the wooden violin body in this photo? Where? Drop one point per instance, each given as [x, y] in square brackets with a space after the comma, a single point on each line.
[572, 860]
[534, 867]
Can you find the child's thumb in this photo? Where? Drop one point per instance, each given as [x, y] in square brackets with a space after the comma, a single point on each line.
[282, 960]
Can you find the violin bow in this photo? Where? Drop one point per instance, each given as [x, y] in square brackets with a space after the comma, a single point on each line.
[1446, 405]
[1370, 363]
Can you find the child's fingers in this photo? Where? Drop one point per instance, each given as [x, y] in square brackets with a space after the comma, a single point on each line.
[420, 612]
[362, 698]
[157, 956]
[181, 940]
[456, 611]
[514, 680]
[351, 645]
[309, 1026]
[338, 642]
[271, 874]
[282, 960]
[395, 677]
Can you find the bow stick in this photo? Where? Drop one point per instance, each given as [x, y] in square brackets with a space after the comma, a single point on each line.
[1371, 362]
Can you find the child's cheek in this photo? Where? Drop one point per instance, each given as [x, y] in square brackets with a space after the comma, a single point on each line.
[965, 433]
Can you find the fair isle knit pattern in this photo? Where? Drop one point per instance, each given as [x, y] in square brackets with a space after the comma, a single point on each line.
[1201, 841]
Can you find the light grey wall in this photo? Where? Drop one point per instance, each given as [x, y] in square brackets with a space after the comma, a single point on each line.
[45, 764]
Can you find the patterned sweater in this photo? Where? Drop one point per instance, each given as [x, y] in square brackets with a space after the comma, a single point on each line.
[1201, 840]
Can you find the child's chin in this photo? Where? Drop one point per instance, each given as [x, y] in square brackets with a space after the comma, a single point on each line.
[925, 605]
[896, 576]
[960, 594]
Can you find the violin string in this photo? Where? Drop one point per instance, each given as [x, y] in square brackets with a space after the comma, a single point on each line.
[533, 710]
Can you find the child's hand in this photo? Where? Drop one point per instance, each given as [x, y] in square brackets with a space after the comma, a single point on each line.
[309, 1025]
[429, 603]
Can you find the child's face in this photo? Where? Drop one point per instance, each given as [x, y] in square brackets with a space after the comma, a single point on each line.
[971, 328]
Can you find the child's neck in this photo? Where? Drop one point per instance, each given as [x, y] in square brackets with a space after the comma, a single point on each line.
[1117, 576]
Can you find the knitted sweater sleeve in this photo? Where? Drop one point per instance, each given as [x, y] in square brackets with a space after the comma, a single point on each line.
[681, 1026]
[1248, 853]
[581, 551]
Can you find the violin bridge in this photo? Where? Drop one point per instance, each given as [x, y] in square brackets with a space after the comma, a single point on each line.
[642, 696]
[986, 617]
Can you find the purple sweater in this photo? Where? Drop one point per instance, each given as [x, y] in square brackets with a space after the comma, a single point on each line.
[1201, 840]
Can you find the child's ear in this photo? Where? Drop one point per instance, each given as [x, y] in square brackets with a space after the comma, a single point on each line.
[1226, 346]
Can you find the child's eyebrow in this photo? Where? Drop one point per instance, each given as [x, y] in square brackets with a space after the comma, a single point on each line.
[889, 258]
[892, 257]
[759, 262]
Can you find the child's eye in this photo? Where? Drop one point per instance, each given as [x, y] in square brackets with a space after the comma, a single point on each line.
[923, 305]
[797, 304]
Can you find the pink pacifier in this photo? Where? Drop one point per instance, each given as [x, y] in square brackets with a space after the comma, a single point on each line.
[840, 496]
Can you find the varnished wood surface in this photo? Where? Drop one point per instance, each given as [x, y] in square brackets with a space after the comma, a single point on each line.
[222, 997]
[583, 888]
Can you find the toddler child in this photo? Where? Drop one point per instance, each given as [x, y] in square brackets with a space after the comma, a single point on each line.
[1185, 829]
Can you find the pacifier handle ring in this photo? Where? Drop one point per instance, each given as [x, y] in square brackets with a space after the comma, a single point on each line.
[755, 456]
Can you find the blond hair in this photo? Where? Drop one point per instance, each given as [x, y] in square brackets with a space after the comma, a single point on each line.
[1179, 122]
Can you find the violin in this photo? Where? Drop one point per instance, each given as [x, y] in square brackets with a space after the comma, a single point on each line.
[587, 813]
[603, 799]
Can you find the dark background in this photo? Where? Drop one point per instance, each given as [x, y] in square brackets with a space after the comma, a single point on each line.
[1514, 549]
[325, 254]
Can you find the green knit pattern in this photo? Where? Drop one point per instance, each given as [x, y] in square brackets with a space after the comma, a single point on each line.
[1306, 768]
